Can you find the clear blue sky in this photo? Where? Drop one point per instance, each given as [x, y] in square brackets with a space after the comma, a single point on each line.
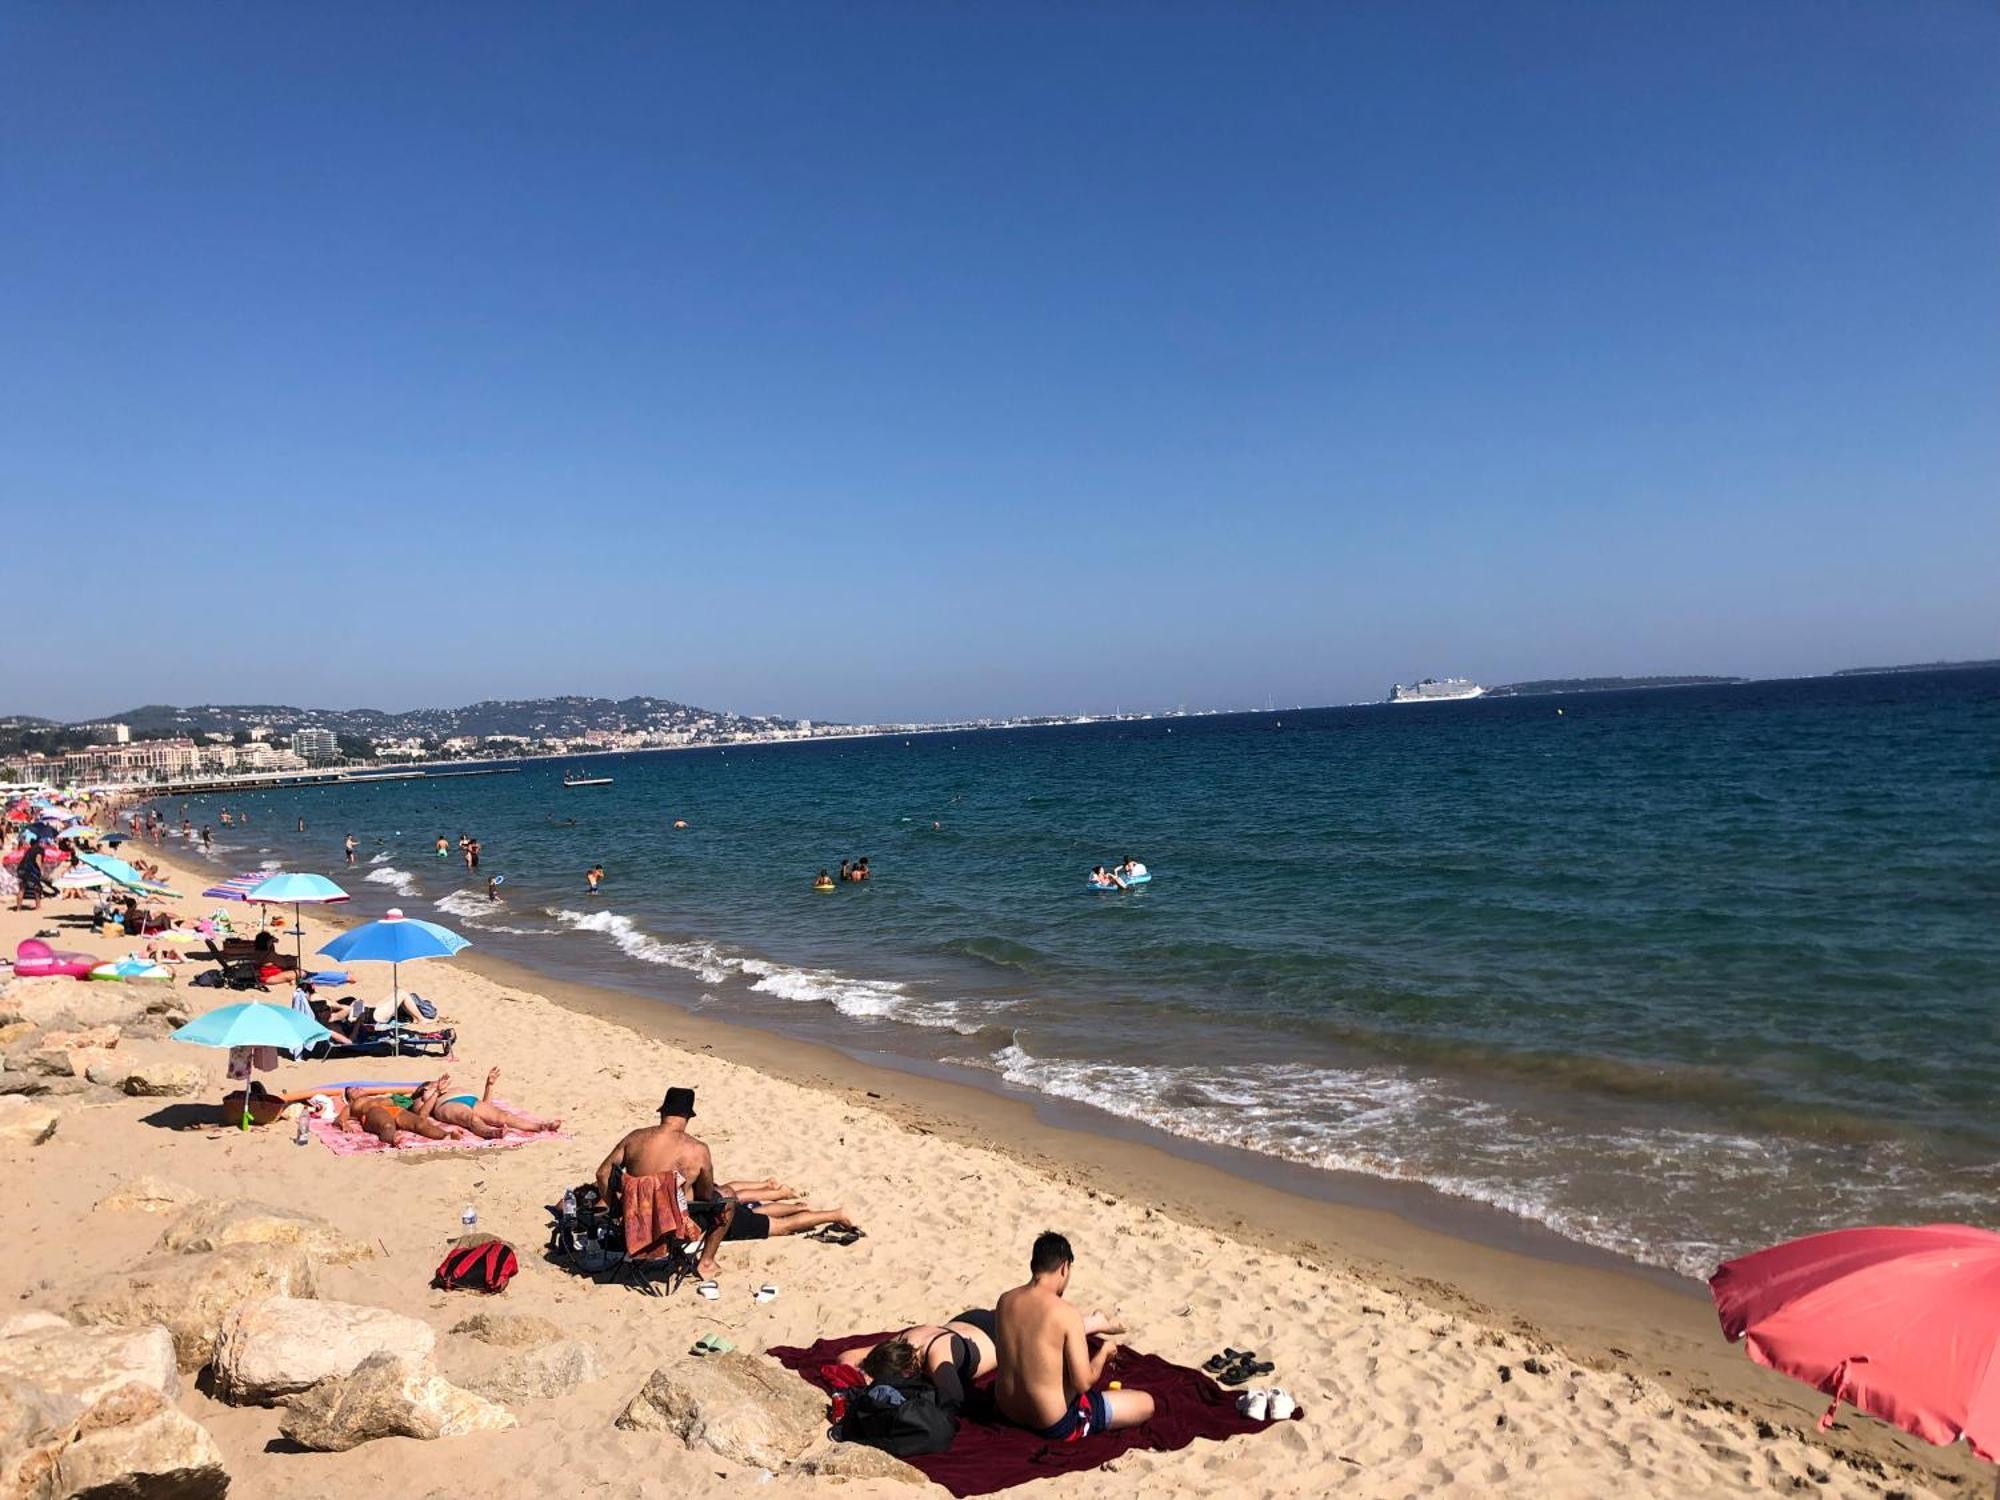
[859, 360]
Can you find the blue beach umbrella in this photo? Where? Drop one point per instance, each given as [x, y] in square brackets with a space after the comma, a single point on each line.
[395, 939]
[286, 888]
[253, 1024]
[124, 874]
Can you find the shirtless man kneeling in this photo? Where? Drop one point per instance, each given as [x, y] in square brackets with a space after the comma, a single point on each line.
[1047, 1375]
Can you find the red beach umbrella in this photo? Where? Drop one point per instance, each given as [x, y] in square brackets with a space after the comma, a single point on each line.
[1901, 1322]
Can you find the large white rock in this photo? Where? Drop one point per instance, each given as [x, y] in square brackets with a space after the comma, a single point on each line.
[274, 1347]
[25, 1120]
[214, 1226]
[133, 1443]
[749, 1411]
[387, 1396]
[84, 1364]
[191, 1295]
[149, 1195]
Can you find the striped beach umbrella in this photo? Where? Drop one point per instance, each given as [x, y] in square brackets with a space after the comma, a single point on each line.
[237, 887]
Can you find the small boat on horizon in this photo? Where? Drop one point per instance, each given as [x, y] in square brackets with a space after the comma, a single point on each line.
[571, 778]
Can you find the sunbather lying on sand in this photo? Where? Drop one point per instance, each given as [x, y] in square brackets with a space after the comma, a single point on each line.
[764, 1211]
[950, 1355]
[383, 1114]
[479, 1114]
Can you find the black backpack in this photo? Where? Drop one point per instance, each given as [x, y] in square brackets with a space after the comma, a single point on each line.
[918, 1425]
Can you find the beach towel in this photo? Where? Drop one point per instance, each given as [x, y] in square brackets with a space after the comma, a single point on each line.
[656, 1216]
[992, 1455]
[360, 1143]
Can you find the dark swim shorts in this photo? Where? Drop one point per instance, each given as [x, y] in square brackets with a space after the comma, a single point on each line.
[748, 1225]
[1092, 1413]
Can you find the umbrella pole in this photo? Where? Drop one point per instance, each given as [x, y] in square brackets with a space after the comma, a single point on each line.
[396, 1010]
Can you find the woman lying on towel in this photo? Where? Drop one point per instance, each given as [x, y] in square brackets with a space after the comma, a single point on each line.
[478, 1113]
[389, 1114]
[950, 1355]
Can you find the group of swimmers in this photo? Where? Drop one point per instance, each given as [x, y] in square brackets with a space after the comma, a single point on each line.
[1120, 877]
[852, 872]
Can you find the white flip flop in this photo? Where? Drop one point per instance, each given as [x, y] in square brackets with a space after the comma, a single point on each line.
[708, 1290]
[768, 1292]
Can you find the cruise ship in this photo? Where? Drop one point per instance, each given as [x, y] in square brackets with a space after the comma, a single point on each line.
[1432, 688]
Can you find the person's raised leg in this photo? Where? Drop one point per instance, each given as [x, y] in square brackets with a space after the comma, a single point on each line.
[1127, 1408]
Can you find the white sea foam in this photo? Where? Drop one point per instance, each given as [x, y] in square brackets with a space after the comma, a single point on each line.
[269, 864]
[699, 958]
[402, 882]
[1387, 1123]
[861, 999]
[380, 856]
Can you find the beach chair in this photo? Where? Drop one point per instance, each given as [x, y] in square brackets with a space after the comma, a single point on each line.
[237, 973]
[662, 1239]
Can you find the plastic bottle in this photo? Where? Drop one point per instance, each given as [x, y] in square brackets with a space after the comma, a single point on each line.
[569, 1205]
[469, 1217]
[304, 1132]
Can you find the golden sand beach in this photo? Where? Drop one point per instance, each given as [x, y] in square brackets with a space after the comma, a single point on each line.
[1425, 1365]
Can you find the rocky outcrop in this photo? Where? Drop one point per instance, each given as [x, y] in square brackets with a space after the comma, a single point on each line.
[536, 1373]
[150, 1195]
[508, 1330]
[84, 1364]
[146, 1078]
[749, 1411]
[130, 1444]
[387, 1396]
[58, 1004]
[191, 1295]
[274, 1347]
[215, 1226]
[25, 1120]
[827, 1460]
[88, 1412]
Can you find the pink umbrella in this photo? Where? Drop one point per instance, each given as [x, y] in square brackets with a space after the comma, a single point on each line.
[1902, 1322]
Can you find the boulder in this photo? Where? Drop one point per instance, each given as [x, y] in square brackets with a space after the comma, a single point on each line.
[508, 1330]
[273, 1347]
[214, 1225]
[149, 1195]
[749, 1411]
[16, 1031]
[515, 1374]
[25, 1120]
[191, 1295]
[387, 1396]
[84, 1364]
[41, 1085]
[69, 1054]
[133, 1443]
[163, 1080]
[65, 1003]
[837, 1461]
[33, 1321]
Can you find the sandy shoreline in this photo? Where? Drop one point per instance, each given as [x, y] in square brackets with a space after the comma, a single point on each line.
[1394, 1335]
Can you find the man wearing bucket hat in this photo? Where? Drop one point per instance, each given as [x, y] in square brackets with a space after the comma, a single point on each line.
[667, 1153]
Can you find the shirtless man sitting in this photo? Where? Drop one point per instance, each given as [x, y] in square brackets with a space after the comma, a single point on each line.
[951, 1355]
[480, 1115]
[653, 1150]
[1047, 1375]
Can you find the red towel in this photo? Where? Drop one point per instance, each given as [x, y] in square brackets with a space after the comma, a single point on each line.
[656, 1223]
[990, 1454]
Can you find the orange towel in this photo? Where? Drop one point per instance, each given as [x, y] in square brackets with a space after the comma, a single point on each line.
[656, 1216]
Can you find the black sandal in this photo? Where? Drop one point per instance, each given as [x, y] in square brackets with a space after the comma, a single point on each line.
[1217, 1363]
[1245, 1369]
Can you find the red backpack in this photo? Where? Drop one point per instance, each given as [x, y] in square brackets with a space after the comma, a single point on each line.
[486, 1267]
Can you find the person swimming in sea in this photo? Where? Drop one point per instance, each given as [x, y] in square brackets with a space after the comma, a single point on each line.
[1104, 880]
[592, 878]
[824, 882]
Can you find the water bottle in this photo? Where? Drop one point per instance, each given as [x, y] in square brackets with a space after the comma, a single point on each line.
[469, 1217]
[304, 1132]
[569, 1205]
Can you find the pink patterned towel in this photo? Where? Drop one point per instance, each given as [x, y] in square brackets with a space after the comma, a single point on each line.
[360, 1143]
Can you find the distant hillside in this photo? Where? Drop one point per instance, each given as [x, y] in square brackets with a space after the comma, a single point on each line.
[1601, 685]
[536, 718]
[1920, 666]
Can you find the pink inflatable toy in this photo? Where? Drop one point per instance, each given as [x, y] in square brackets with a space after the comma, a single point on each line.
[35, 959]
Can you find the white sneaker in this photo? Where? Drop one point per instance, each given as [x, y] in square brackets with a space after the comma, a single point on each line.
[1282, 1407]
[1255, 1405]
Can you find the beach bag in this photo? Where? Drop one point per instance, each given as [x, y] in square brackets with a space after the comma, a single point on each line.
[908, 1427]
[485, 1268]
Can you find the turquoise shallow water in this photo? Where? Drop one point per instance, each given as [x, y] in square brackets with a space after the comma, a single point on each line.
[1674, 972]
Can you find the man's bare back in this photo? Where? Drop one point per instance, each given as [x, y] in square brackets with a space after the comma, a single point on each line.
[654, 1150]
[1040, 1350]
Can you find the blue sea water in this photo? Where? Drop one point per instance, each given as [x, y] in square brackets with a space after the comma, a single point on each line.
[1675, 972]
